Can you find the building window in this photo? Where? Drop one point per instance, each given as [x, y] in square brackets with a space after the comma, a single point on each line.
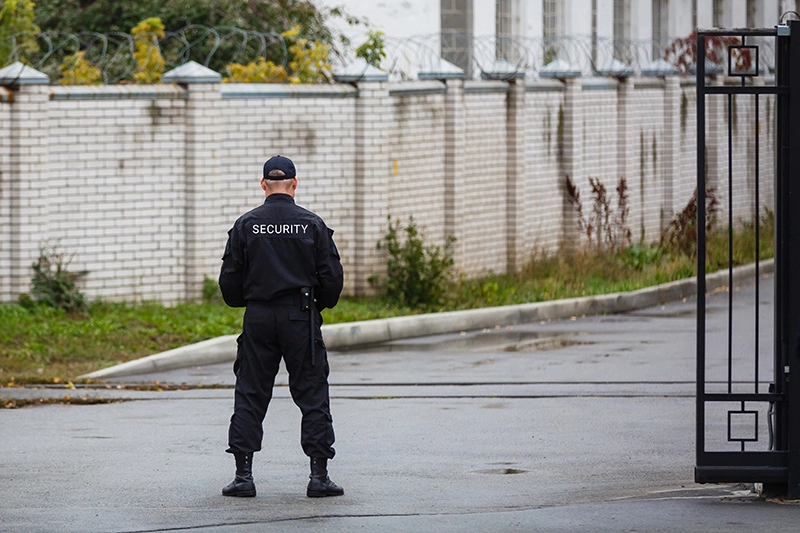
[660, 26]
[503, 31]
[551, 29]
[622, 29]
[551, 13]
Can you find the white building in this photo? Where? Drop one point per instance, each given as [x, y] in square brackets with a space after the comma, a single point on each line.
[460, 30]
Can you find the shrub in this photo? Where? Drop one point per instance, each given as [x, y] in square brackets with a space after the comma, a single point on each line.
[681, 234]
[55, 286]
[76, 70]
[261, 71]
[638, 256]
[606, 228]
[418, 274]
[211, 292]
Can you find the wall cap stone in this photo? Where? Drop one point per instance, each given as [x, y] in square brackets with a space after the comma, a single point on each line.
[19, 74]
[502, 70]
[614, 68]
[192, 72]
[359, 71]
[442, 70]
[659, 68]
[559, 69]
[231, 91]
[598, 84]
[486, 87]
[417, 88]
[545, 85]
[116, 92]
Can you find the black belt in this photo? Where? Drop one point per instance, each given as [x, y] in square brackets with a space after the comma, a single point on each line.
[293, 298]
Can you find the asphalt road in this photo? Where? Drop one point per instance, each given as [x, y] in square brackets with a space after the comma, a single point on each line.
[582, 424]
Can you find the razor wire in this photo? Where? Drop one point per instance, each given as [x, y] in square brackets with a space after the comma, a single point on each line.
[218, 47]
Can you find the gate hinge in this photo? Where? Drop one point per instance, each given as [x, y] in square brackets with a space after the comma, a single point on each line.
[783, 30]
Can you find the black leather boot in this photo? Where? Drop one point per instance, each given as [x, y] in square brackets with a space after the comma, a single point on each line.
[242, 485]
[320, 484]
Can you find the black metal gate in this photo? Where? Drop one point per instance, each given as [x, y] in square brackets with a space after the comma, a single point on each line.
[748, 408]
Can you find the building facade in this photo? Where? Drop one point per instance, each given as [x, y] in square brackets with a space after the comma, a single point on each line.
[587, 36]
[638, 20]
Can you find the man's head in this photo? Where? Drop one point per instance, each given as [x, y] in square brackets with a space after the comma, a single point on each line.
[280, 176]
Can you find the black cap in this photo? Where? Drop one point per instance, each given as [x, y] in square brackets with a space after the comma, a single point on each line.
[279, 168]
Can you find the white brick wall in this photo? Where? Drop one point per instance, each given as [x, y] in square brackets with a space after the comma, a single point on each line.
[545, 101]
[417, 185]
[142, 183]
[117, 168]
[482, 212]
[6, 293]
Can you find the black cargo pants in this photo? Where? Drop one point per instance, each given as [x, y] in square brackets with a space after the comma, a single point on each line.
[271, 332]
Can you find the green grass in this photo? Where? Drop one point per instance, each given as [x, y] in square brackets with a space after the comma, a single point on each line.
[42, 345]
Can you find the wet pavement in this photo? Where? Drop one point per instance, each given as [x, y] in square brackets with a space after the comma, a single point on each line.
[581, 424]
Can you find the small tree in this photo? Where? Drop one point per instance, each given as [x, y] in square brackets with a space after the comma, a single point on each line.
[149, 62]
[683, 54]
[373, 50]
[309, 63]
[17, 31]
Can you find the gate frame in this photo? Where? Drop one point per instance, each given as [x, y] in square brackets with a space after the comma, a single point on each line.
[780, 465]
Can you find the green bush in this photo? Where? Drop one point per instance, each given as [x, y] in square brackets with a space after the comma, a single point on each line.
[211, 292]
[53, 285]
[638, 256]
[418, 274]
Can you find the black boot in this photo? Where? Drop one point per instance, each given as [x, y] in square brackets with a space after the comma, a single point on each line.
[243, 484]
[320, 484]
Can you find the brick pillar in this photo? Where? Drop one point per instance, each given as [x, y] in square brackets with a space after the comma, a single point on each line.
[572, 161]
[206, 223]
[516, 228]
[455, 141]
[671, 155]
[28, 186]
[454, 146]
[373, 171]
[626, 115]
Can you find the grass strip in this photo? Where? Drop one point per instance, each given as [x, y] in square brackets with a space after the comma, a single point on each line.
[44, 345]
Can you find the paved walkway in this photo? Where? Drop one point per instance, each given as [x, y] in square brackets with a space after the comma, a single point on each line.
[583, 424]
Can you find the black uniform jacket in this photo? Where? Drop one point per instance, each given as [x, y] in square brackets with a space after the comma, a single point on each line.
[276, 249]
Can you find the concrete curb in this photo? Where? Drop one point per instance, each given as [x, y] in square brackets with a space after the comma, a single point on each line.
[352, 334]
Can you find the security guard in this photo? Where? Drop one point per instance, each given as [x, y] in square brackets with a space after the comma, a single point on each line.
[281, 263]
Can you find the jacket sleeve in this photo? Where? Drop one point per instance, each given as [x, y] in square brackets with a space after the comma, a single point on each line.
[231, 275]
[329, 271]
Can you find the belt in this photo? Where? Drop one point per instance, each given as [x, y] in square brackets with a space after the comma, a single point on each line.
[293, 297]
